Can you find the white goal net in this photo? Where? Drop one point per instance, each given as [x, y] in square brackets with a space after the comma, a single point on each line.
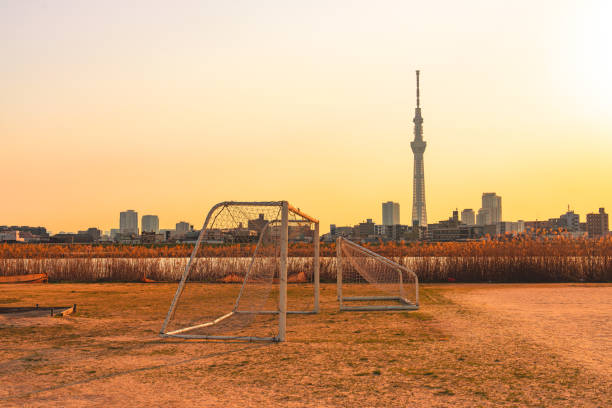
[368, 281]
[234, 286]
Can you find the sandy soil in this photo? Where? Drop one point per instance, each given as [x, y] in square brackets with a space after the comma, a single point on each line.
[469, 345]
[575, 321]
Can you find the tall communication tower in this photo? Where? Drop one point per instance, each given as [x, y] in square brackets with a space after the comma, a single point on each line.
[419, 211]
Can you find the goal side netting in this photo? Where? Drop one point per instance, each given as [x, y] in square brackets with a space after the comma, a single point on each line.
[368, 281]
[234, 286]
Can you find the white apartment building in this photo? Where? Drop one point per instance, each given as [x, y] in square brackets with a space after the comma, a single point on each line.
[492, 203]
[468, 217]
[182, 228]
[484, 217]
[150, 223]
[128, 222]
[390, 213]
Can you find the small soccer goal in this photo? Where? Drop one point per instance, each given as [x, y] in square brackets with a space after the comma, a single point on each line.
[243, 249]
[368, 281]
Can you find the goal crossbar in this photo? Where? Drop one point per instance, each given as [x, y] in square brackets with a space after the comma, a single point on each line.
[402, 302]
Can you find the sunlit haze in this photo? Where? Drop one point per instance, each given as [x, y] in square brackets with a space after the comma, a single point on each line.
[167, 108]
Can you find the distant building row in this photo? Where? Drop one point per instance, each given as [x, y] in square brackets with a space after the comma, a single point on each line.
[468, 227]
[596, 224]
[489, 214]
[128, 223]
[488, 222]
[129, 231]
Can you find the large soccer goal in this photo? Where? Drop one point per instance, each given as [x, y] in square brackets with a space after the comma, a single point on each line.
[244, 246]
[368, 281]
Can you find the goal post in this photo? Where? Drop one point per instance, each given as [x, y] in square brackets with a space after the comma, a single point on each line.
[244, 246]
[369, 281]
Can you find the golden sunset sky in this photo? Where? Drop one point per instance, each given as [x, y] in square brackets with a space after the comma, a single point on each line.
[169, 107]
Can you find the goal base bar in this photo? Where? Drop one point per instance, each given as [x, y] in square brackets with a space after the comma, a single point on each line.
[236, 338]
[404, 303]
[275, 312]
[374, 308]
[360, 298]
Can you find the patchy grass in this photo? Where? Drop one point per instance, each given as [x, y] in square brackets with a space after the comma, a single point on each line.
[446, 354]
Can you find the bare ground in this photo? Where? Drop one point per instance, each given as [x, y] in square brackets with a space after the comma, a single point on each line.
[469, 345]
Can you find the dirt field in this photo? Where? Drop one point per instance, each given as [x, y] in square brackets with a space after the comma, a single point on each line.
[469, 345]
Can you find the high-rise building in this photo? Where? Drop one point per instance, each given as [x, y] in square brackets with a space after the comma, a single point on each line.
[597, 224]
[570, 220]
[150, 223]
[468, 217]
[484, 217]
[419, 212]
[492, 202]
[182, 228]
[390, 213]
[128, 222]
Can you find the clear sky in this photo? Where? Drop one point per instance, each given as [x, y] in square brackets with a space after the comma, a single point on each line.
[169, 107]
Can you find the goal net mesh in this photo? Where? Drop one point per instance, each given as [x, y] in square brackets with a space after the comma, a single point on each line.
[231, 285]
[367, 278]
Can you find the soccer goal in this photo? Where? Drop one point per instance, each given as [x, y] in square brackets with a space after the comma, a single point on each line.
[243, 248]
[372, 282]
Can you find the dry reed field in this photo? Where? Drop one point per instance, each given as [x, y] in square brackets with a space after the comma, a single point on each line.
[469, 345]
[517, 259]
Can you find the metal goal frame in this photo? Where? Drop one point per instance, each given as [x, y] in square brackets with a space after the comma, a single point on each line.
[282, 311]
[402, 302]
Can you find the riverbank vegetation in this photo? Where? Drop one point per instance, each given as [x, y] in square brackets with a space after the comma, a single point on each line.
[518, 259]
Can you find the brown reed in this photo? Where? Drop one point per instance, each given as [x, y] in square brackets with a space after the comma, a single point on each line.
[517, 259]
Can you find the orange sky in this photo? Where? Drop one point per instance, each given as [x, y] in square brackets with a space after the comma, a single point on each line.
[168, 109]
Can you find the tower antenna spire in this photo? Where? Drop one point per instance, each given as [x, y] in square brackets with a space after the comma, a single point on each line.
[419, 212]
[418, 92]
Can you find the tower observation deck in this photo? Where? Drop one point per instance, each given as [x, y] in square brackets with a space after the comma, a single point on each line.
[419, 211]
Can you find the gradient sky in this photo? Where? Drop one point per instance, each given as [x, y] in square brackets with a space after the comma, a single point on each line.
[170, 107]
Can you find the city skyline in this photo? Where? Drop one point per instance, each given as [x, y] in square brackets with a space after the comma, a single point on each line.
[101, 112]
[390, 216]
[455, 228]
[389, 207]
